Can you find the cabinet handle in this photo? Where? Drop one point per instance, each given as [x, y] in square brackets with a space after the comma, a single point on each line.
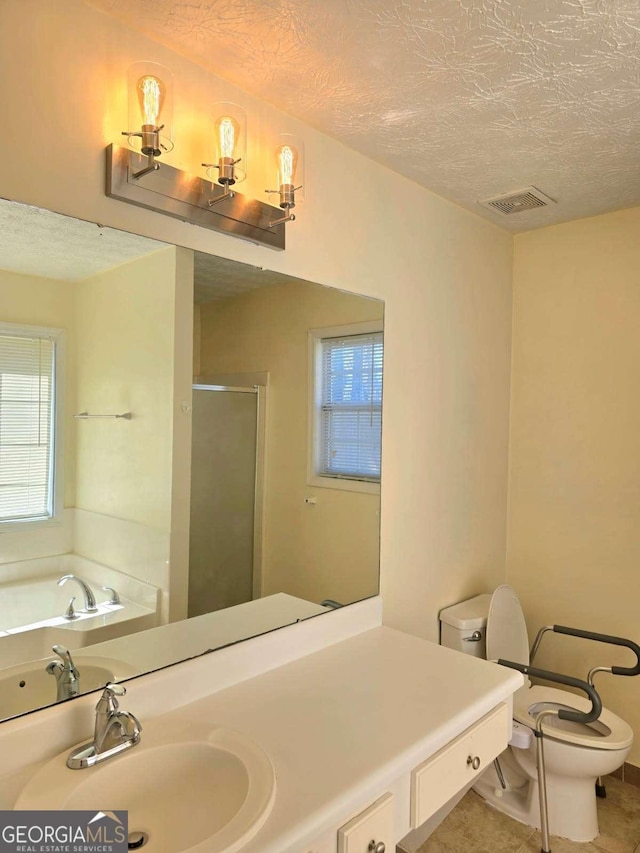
[474, 761]
[377, 847]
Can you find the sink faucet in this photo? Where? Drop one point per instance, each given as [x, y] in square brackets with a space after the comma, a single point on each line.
[114, 731]
[67, 676]
[89, 597]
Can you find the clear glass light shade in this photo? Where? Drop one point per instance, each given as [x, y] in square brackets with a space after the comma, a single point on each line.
[150, 88]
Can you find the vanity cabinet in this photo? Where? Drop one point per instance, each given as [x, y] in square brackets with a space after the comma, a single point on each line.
[371, 831]
[439, 778]
[415, 797]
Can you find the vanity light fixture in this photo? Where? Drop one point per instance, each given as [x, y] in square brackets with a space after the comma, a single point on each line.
[230, 128]
[150, 102]
[134, 176]
[288, 163]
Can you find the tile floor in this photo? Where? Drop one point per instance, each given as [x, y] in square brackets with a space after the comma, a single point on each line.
[475, 827]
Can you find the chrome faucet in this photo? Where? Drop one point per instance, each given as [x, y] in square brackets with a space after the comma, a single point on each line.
[114, 731]
[89, 597]
[67, 676]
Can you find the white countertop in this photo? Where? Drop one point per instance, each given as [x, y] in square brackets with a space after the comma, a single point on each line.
[343, 707]
[165, 644]
[343, 722]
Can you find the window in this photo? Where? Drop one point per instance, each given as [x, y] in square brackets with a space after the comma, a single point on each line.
[30, 412]
[347, 410]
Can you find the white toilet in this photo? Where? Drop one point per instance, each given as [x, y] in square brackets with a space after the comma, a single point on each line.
[493, 626]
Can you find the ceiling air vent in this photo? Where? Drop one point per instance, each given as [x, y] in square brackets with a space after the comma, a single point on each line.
[517, 202]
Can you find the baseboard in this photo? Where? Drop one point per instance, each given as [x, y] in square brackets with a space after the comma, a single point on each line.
[628, 773]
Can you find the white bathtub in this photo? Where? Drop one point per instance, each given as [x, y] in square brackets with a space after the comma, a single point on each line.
[40, 602]
[32, 606]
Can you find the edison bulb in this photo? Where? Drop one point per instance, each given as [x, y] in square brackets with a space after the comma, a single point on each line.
[151, 94]
[287, 161]
[227, 134]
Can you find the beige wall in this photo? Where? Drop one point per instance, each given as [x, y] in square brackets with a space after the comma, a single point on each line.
[445, 276]
[36, 301]
[134, 333]
[574, 508]
[330, 550]
[125, 347]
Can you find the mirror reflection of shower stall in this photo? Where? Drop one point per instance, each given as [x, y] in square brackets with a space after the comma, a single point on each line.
[226, 496]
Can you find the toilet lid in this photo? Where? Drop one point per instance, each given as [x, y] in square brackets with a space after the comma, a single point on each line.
[507, 636]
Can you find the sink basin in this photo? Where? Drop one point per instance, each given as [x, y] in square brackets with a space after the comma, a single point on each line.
[186, 787]
[28, 686]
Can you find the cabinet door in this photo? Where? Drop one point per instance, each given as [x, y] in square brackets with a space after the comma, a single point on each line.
[371, 831]
[438, 779]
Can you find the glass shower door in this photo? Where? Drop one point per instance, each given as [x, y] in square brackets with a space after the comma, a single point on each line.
[223, 490]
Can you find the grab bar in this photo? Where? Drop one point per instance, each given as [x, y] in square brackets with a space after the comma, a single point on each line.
[570, 681]
[575, 716]
[601, 638]
[606, 638]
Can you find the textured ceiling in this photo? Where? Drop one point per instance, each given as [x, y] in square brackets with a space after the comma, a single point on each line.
[38, 242]
[470, 98]
[218, 278]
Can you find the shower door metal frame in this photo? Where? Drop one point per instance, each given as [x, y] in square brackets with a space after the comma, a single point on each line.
[201, 384]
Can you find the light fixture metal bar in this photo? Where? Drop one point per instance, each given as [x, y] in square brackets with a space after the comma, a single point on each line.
[186, 197]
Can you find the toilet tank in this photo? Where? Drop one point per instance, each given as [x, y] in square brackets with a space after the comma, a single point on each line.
[463, 626]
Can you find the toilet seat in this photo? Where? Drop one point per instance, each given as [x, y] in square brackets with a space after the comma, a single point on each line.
[608, 732]
[507, 639]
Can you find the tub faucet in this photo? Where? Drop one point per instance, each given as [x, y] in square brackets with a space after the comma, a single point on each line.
[89, 597]
[67, 676]
[114, 731]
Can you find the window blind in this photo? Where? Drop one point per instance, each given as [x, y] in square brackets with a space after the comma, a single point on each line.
[26, 427]
[350, 427]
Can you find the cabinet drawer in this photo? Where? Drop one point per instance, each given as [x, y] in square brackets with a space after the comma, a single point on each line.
[434, 782]
[371, 830]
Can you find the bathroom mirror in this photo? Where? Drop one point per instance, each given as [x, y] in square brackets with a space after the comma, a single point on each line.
[272, 540]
